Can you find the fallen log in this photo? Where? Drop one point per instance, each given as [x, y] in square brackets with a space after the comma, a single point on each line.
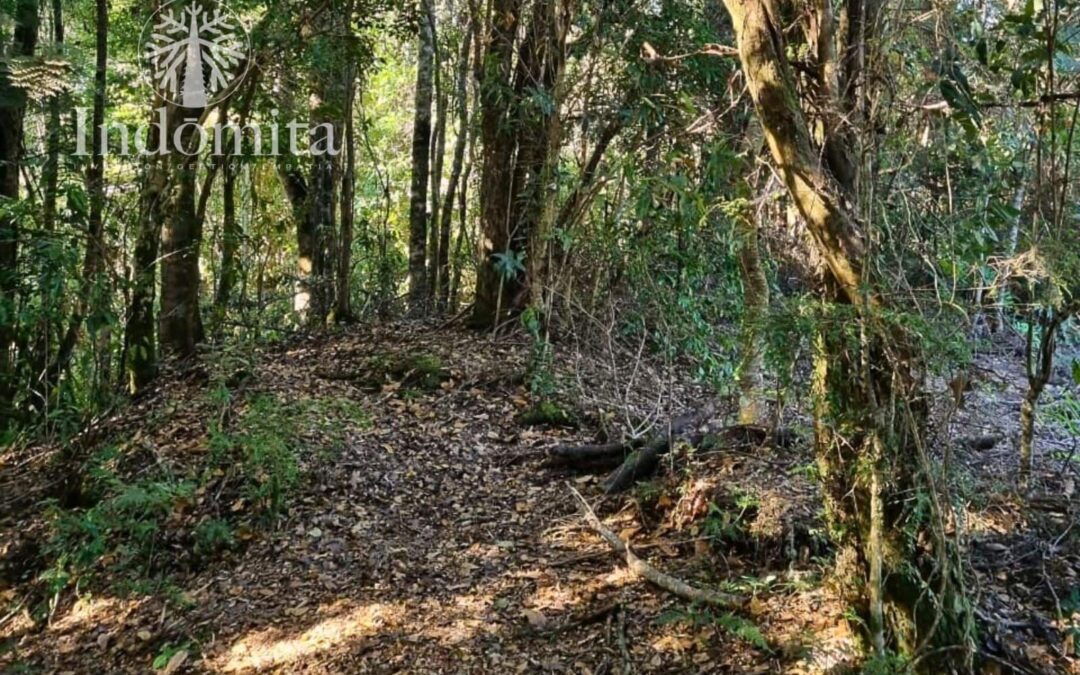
[577, 454]
[646, 571]
[638, 458]
[588, 454]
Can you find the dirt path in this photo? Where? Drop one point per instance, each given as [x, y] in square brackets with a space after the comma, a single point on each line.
[432, 541]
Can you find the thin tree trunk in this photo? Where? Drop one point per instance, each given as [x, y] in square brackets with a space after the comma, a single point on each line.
[1039, 366]
[323, 212]
[1010, 250]
[755, 308]
[442, 266]
[51, 170]
[12, 110]
[94, 256]
[51, 300]
[421, 151]
[230, 245]
[438, 153]
[458, 260]
[343, 312]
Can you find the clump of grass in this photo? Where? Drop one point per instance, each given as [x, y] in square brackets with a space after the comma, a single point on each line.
[548, 413]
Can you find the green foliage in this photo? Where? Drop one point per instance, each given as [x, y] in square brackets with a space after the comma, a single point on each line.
[121, 533]
[509, 264]
[539, 370]
[167, 652]
[547, 413]
[728, 524]
[698, 617]
[213, 536]
[264, 443]
[889, 663]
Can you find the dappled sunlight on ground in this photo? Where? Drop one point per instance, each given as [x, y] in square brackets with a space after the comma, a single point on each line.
[340, 624]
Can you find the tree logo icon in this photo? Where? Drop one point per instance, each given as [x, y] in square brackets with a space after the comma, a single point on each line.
[195, 55]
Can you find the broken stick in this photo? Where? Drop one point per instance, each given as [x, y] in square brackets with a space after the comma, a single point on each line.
[651, 574]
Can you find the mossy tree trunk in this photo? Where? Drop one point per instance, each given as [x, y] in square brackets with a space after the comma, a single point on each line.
[140, 344]
[870, 409]
[755, 307]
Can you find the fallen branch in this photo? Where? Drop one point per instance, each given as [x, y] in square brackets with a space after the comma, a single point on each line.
[650, 573]
[590, 453]
[638, 458]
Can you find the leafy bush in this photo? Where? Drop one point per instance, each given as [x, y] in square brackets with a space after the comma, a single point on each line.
[122, 532]
[213, 536]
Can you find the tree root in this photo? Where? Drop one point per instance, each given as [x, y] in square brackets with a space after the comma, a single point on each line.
[638, 458]
[651, 574]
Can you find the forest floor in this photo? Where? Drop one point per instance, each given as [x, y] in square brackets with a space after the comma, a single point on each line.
[423, 532]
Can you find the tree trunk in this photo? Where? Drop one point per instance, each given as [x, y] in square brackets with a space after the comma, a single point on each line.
[459, 257]
[343, 312]
[521, 141]
[230, 244]
[51, 170]
[180, 323]
[323, 214]
[544, 191]
[12, 110]
[1039, 366]
[94, 256]
[140, 344]
[869, 405]
[438, 153]
[497, 142]
[446, 214]
[755, 308]
[421, 155]
[296, 190]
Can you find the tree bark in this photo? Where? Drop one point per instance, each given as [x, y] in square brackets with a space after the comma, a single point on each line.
[497, 142]
[140, 344]
[869, 405]
[51, 171]
[421, 156]
[521, 140]
[180, 323]
[446, 213]
[230, 244]
[438, 154]
[755, 308]
[12, 111]
[343, 311]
